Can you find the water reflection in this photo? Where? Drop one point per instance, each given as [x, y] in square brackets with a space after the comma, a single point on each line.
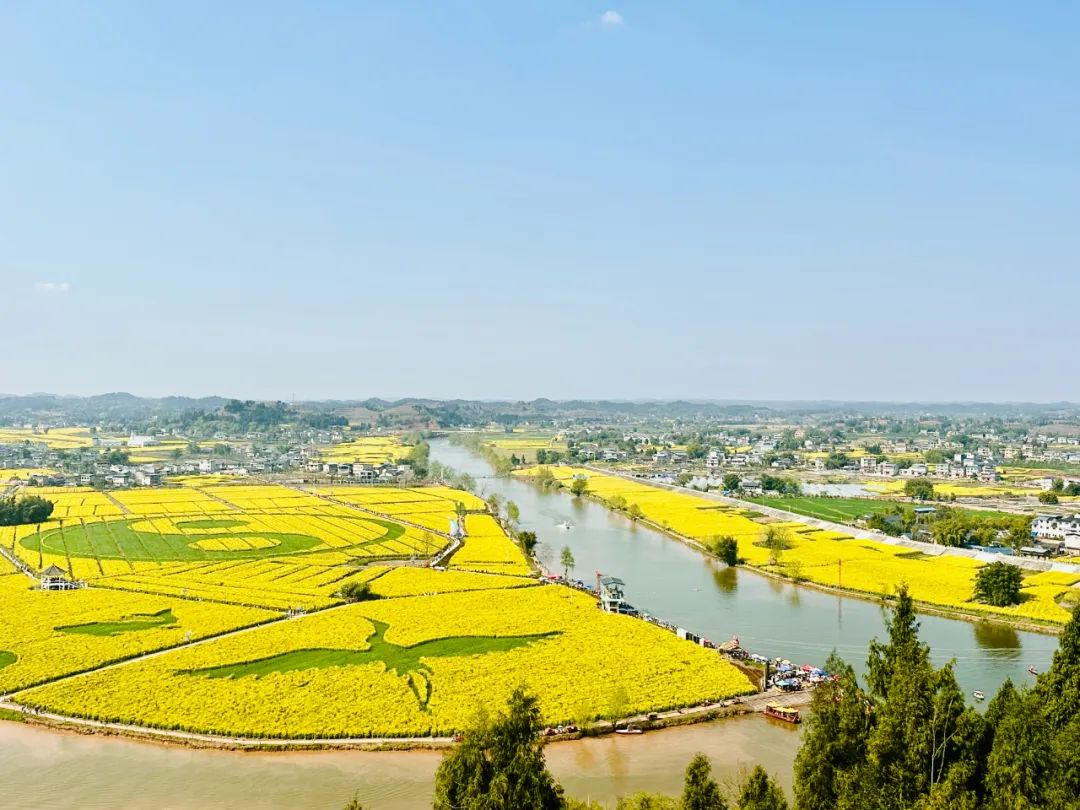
[726, 579]
[994, 636]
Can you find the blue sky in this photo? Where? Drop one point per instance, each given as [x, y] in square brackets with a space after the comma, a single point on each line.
[562, 199]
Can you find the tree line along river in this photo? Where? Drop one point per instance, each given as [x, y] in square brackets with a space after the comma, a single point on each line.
[47, 769]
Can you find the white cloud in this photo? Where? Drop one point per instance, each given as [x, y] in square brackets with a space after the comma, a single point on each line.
[611, 18]
[52, 287]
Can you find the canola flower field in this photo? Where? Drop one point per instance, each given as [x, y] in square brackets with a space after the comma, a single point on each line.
[32, 622]
[168, 566]
[365, 450]
[297, 679]
[69, 438]
[961, 489]
[13, 474]
[259, 545]
[833, 559]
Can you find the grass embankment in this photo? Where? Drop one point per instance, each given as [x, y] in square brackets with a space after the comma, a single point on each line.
[849, 510]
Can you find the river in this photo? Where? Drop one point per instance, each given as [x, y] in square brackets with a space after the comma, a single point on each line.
[667, 578]
[40, 768]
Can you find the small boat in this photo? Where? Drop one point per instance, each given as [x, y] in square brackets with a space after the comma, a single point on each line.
[1033, 671]
[786, 713]
[566, 524]
[978, 695]
[629, 730]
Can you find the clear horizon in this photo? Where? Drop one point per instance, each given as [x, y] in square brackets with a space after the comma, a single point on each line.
[570, 200]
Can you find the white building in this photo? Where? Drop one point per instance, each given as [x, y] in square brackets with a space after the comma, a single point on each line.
[1056, 527]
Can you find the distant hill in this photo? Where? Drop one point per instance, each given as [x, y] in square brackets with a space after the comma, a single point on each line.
[448, 413]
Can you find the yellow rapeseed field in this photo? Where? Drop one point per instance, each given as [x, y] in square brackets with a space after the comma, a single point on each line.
[551, 639]
[29, 619]
[487, 548]
[68, 438]
[365, 450]
[830, 558]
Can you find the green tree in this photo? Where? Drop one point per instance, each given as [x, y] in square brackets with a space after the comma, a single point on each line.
[731, 482]
[1048, 497]
[354, 804]
[500, 764]
[26, 510]
[727, 549]
[836, 461]
[635, 512]
[951, 529]
[921, 725]
[700, 791]
[919, 488]
[1058, 689]
[834, 739]
[776, 541]
[546, 478]
[528, 541]
[513, 513]
[355, 592]
[647, 801]
[759, 792]
[998, 584]
[580, 485]
[1057, 485]
[567, 560]
[1017, 769]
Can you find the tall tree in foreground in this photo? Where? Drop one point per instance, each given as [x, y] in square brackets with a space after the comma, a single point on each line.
[500, 764]
[700, 791]
[759, 792]
[834, 740]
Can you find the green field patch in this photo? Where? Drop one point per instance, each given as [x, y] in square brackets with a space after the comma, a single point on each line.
[402, 661]
[914, 555]
[209, 523]
[121, 541]
[128, 624]
[7, 658]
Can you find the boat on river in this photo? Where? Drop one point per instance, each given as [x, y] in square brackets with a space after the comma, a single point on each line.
[629, 730]
[1033, 671]
[978, 695]
[566, 525]
[788, 714]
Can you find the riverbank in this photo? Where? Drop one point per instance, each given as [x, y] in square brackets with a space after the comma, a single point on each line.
[830, 557]
[11, 711]
[95, 772]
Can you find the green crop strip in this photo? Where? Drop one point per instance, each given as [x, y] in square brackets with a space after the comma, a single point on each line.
[402, 661]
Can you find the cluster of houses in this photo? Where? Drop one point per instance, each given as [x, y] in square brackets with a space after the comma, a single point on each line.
[385, 473]
[961, 466]
[1057, 533]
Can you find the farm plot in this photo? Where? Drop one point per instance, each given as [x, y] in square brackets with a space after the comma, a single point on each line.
[46, 634]
[408, 666]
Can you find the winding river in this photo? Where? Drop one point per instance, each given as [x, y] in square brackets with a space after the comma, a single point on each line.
[41, 768]
[667, 578]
